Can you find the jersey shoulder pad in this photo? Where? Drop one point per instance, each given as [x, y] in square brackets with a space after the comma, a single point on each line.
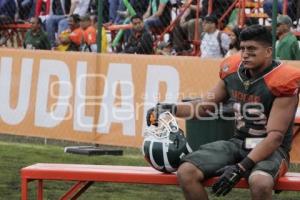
[284, 80]
[229, 65]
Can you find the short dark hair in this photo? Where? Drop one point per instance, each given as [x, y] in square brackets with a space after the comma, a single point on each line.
[211, 18]
[38, 19]
[257, 33]
[136, 17]
[75, 17]
[236, 31]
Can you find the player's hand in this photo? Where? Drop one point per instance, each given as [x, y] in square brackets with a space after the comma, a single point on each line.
[229, 177]
[153, 113]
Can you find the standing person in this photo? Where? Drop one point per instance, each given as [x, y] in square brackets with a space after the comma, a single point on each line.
[264, 93]
[215, 43]
[140, 40]
[287, 47]
[36, 38]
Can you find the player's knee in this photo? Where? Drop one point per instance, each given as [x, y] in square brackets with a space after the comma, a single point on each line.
[188, 173]
[261, 183]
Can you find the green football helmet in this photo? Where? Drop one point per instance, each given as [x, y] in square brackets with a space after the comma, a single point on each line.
[164, 145]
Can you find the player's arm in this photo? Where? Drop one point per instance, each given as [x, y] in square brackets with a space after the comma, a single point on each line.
[281, 115]
[193, 109]
[206, 105]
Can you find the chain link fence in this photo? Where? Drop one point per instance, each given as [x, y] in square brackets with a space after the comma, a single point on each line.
[168, 27]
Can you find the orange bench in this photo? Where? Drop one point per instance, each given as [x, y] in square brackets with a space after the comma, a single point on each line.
[86, 175]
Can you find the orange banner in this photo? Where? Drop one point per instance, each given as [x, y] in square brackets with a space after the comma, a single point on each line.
[91, 97]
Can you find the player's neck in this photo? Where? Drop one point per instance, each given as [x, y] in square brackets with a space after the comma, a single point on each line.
[257, 71]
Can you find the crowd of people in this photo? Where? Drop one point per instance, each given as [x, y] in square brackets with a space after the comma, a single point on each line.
[62, 25]
[71, 25]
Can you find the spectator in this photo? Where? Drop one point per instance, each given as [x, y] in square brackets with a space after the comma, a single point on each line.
[287, 47]
[291, 8]
[8, 10]
[215, 43]
[36, 38]
[90, 35]
[71, 39]
[158, 15]
[79, 7]
[234, 46]
[26, 9]
[140, 41]
[184, 32]
[59, 10]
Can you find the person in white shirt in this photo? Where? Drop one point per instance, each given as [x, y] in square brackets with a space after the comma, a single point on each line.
[214, 43]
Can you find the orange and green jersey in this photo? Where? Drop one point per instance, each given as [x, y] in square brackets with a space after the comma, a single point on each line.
[252, 98]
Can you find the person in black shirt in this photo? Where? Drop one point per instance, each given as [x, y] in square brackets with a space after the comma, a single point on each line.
[140, 40]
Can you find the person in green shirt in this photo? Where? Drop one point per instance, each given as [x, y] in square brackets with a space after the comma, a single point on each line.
[36, 38]
[287, 47]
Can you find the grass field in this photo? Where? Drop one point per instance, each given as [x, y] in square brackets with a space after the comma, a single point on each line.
[16, 152]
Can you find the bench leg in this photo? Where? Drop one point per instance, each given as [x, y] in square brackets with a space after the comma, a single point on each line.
[76, 190]
[40, 190]
[82, 190]
[24, 188]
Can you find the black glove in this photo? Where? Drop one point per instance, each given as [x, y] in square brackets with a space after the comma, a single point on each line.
[153, 113]
[230, 176]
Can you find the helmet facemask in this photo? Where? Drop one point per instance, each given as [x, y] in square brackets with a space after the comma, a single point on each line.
[166, 124]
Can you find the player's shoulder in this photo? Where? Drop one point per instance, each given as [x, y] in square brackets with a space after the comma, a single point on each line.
[230, 65]
[284, 80]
